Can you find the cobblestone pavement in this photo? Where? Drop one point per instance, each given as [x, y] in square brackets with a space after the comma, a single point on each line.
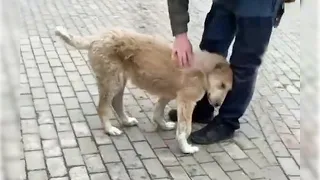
[62, 137]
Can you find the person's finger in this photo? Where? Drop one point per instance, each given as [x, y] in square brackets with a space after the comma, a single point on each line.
[174, 57]
[189, 58]
[184, 59]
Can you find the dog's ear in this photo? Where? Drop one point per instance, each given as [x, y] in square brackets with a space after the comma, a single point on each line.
[221, 66]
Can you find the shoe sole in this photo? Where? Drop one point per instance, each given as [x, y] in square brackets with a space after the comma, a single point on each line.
[209, 142]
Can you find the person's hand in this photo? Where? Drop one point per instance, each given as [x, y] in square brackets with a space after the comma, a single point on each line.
[182, 50]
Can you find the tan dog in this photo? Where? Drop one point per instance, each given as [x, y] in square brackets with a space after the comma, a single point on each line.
[118, 55]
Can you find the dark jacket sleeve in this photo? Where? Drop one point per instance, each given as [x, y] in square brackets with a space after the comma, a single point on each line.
[178, 15]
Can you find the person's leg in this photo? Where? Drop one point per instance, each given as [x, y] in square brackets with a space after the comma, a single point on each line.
[252, 38]
[219, 30]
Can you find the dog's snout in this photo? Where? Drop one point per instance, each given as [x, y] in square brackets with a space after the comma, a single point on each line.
[217, 104]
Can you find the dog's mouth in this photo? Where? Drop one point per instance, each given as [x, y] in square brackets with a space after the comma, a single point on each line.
[214, 104]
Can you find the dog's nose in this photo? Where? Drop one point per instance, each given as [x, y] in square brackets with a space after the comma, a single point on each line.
[217, 104]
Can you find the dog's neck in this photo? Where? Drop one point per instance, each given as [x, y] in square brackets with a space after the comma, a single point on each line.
[197, 78]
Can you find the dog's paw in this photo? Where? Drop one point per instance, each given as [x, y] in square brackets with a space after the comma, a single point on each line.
[113, 131]
[168, 126]
[130, 121]
[190, 149]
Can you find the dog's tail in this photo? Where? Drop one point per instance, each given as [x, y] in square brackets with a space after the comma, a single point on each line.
[75, 41]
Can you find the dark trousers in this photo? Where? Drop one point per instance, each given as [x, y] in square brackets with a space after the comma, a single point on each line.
[252, 36]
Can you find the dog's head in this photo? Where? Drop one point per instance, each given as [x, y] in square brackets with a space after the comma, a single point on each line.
[218, 76]
[219, 83]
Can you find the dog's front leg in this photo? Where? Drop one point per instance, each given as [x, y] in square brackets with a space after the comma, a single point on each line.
[184, 126]
[158, 115]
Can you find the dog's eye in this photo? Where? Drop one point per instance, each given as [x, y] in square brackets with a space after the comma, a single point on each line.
[223, 86]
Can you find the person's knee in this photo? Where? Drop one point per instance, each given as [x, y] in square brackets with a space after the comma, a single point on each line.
[251, 42]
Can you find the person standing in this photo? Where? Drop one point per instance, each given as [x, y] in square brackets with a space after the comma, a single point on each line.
[251, 23]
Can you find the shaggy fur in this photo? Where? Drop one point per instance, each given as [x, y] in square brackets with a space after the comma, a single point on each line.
[119, 55]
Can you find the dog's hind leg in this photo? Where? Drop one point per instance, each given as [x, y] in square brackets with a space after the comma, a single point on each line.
[117, 104]
[158, 115]
[107, 91]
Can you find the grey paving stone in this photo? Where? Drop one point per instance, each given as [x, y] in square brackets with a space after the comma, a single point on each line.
[87, 145]
[41, 104]
[224, 160]
[84, 97]
[134, 134]
[94, 122]
[67, 91]
[71, 103]
[81, 129]
[290, 141]
[67, 139]
[59, 71]
[88, 108]
[117, 171]
[250, 168]
[274, 172]
[60, 178]
[257, 157]
[47, 77]
[266, 150]
[138, 174]
[121, 142]
[78, 173]
[29, 126]
[58, 111]
[191, 166]
[51, 148]
[31, 142]
[296, 155]
[94, 163]
[214, 171]
[279, 149]
[166, 157]
[238, 175]
[99, 176]
[27, 112]
[38, 175]
[242, 141]
[63, 124]
[76, 115]
[250, 131]
[62, 81]
[56, 167]
[73, 157]
[55, 98]
[130, 159]
[34, 160]
[143, 150]
[101, 137]
[155, 140]
[233, 150]
[177, 172]
[154, 168]
[289, 166]
[51, 87]
[25, 100]
[48, 131]
[45, 117]
[78, 86]
[109, 153]
[200, 178]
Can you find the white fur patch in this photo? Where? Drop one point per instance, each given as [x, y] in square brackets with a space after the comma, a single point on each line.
[62, 30]
[184, 145]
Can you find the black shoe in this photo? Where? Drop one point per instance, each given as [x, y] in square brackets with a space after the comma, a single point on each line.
[212, 133]
[173, 115]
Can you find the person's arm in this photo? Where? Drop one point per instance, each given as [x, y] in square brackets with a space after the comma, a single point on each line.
[179, 16]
